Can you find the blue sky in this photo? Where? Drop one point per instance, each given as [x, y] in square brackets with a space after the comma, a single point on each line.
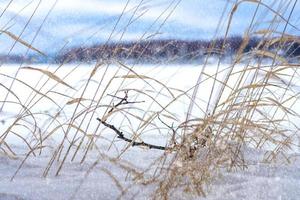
[67, 23]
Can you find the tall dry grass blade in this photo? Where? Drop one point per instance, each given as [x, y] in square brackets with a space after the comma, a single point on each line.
[50, 75]
[18, 39]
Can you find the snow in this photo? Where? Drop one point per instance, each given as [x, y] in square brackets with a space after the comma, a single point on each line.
[259, 181]
[86, 181]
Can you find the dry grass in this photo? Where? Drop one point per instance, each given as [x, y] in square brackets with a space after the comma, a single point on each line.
[251, 105]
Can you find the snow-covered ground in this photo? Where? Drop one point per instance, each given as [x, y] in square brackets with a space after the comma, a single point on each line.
[259, 181]
[85, 181]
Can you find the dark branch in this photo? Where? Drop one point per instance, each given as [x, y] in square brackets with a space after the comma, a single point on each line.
[133, 143]
[123, 101]
[171, 128]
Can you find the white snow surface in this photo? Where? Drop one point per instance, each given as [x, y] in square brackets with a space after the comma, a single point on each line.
[76, 181]
[258, 181]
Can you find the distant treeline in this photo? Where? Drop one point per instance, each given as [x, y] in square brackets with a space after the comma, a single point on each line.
[179, 51]
[169, 51]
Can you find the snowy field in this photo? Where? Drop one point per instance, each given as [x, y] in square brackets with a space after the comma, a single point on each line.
[89, 181]
[259, 181]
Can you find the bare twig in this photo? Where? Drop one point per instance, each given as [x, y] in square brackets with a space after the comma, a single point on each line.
[133, 143]
[124, 101]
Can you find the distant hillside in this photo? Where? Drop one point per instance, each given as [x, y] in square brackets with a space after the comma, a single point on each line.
[175, 51]
[155, 50]
[165, 51]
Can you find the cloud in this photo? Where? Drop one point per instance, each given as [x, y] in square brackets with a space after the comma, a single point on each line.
[112, 7]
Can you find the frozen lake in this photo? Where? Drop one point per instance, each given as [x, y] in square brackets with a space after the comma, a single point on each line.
[157, 87]
[59, 105]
